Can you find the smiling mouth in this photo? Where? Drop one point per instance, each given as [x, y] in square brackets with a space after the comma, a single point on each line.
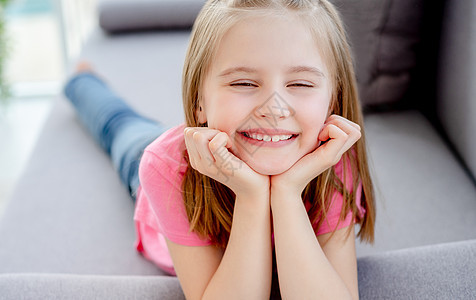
[268, 138]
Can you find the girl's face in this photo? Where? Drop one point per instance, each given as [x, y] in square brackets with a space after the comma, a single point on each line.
[269, 89]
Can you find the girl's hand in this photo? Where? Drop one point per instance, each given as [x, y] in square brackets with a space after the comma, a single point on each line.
[208, 153]
[337, 136]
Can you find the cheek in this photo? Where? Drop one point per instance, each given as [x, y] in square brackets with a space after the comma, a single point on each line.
[224, 114]
[312, 122]
[315, 113]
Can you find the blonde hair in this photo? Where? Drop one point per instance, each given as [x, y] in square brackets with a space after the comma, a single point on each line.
[208, 203]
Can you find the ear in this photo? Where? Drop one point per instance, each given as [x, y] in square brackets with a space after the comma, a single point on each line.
[201, 115]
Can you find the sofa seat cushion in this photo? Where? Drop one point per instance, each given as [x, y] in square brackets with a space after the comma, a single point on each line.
[423, 194]
[69, 212]
[144, 68]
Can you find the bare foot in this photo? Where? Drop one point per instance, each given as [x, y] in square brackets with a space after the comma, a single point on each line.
[84, 67]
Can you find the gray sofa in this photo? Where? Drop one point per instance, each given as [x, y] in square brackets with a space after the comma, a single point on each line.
[68, 232]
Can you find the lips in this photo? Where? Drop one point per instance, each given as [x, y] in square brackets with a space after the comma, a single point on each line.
[268, 136]
[269, 131]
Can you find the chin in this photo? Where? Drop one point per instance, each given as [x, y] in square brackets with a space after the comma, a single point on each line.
[269, 169]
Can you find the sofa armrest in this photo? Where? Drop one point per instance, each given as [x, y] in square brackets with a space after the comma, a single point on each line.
[130, 15]
[65, 286]
[444, 271]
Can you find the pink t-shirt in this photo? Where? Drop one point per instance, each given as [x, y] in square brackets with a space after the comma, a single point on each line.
[160, 210]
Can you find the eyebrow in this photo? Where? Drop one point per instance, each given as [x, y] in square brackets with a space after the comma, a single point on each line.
[299, 69]
[295, 69]
[237, 70]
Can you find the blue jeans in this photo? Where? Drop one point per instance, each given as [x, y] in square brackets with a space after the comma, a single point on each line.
[115, 126]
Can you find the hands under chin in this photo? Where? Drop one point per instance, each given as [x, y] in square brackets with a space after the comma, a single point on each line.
[338, 135]
[208, 153]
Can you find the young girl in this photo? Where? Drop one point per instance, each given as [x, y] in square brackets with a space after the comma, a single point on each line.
[269, 173]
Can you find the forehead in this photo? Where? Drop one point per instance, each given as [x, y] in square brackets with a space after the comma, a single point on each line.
[269, 42]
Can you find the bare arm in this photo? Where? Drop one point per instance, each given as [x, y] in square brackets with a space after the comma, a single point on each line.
[305, 269]
[242, 271]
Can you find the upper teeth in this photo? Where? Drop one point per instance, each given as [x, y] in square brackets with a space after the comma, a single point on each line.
[268, 138]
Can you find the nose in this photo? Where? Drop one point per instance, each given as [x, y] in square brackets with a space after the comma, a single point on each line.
[275, 108]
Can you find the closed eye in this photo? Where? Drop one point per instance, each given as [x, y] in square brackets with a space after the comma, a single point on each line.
[301, 85]
[245, 84]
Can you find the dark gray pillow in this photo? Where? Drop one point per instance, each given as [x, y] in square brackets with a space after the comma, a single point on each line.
[384, 35]
[130, 15]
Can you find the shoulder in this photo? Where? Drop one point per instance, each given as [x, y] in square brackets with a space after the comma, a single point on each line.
[165, 154]
[170, 139]
[160, 204]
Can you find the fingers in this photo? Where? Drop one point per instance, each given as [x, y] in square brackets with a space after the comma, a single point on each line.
[196, 141]
[218, 147]
[350, 128]
[340, 134]
[338, 119]
[208, 152]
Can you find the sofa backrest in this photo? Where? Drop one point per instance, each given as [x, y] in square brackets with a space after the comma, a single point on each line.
[457, 79]
[395, 47]
[384, 35]
[132, 15]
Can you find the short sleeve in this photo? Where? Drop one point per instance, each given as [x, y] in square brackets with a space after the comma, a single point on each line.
[162, 187]
[332, 221]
